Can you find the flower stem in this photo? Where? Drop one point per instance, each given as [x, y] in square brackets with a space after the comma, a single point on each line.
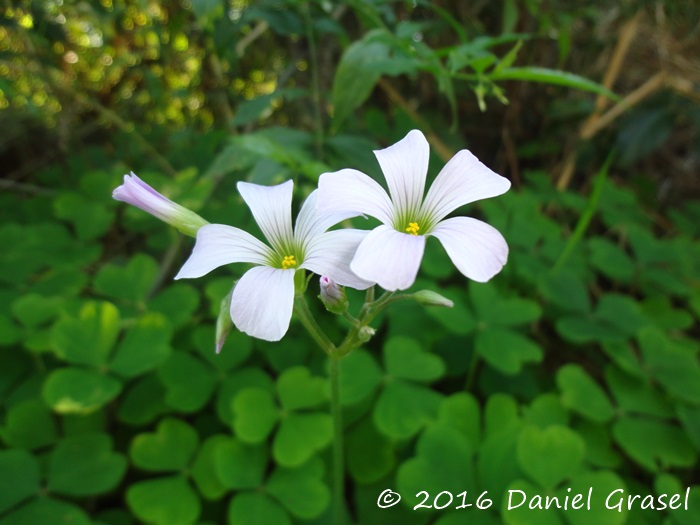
[338, 455]
[307, 319]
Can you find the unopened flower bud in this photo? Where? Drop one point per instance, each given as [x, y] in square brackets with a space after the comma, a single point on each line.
[333, 296]
[137, 193]
[430, 298]
[224, 322]
[366, 333]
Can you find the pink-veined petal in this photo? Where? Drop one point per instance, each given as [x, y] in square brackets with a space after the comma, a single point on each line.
[477, 249]
[464, 179]
[352, 190]
[330, 254]
[405, 167]
[272, 208]
[218, 245]
[389, 258]
[311, 223]
[262, 302]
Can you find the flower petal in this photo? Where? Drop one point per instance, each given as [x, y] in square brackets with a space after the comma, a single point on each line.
[389, 258]
[272, 208]
[477, 249]
[218, 245]
[405, 166]
[311, 223]
[330, 254]
[262, 302]
[464, 179]
[352, 190]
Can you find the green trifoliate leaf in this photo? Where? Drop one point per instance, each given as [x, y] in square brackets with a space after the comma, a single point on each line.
[87, 339]
[550, 456]
[131, 282]
[301, 490]
[405, 359]
[164, 501]
[238, 465]
[170, 448]
[19, 477]
[255, 414]
[300, 436]
[583, 395]
[297, 389]
[256, 507]
[403, 408]
[79, 391]
[85, 465]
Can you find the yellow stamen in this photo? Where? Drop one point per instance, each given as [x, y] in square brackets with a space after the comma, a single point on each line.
[288, 261]
[413, 228]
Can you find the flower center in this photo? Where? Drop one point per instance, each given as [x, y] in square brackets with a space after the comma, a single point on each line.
[413, 228]
[288, 261]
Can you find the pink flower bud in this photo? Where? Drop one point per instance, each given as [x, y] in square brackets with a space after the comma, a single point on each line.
[137, 193]
[333, 296]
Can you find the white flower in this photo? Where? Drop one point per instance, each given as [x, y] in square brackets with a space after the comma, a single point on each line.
[137, 193]
[263, 299]
[391, 254]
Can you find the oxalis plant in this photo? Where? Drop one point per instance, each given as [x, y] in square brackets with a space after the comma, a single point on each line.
[267, 296]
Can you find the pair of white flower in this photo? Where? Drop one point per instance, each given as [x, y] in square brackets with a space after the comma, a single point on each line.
[389, 255]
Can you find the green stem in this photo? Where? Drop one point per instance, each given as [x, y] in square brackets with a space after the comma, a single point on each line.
[471, 373]
[587, 214]
[338, 456]
[355, 337]
[307, 319]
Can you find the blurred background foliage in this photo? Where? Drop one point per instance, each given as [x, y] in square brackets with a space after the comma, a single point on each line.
[575, 367]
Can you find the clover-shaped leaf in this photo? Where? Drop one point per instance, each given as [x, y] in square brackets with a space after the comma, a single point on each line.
[79, 391]
[507, 351]
[494, 310]
[131, 282]
[239, 465]
[144, 346]
[301, 490]
[636, 395]
[85, 465]
[256, 414]
[47, 510]
[583, 395]
[188, 381]
[19, 477]
[300, 433]
[30, 425]
[170, 448]
[298, 390]
[87, 339]
[671, 364]
[654, 444]
[360, 376]
[164, 501]
[252, 507]
[405, 359]
[205, 468]
[443, 461]
[616, 318]
[550, 456]
[403, 408]
[369, 464]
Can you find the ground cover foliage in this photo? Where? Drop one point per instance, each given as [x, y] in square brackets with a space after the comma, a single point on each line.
[575, 367]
